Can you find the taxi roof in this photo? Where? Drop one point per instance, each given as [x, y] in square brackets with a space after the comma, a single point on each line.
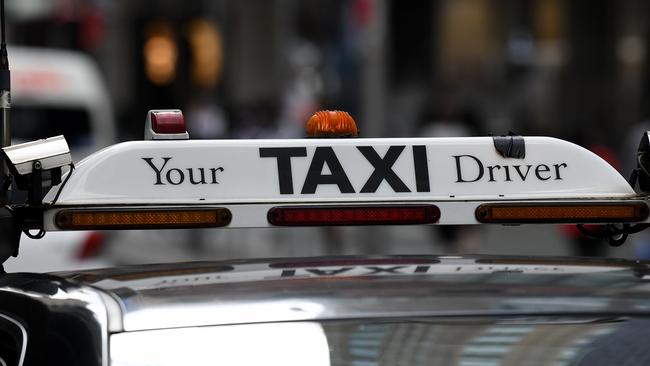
[302, 289]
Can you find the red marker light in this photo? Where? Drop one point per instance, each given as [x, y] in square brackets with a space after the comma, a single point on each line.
[165, 124]
[353, 215]
[168, 122]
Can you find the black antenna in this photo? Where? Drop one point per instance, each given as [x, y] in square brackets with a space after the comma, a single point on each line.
[5, 105]
[5, 79]
[8, 223]
[2, 24]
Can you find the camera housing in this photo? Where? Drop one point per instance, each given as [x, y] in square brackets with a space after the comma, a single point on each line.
[37, 165]
[46, 154]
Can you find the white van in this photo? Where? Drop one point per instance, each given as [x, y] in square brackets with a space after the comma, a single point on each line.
[59, 92]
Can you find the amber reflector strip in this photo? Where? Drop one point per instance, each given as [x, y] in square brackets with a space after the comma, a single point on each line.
[142, 219]
[562, 213]
[331, 124]
[353, 215]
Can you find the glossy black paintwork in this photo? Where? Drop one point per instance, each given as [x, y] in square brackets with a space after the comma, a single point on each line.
[235, 292]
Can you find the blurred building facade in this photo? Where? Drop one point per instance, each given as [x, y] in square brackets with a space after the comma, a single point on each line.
[574, 69]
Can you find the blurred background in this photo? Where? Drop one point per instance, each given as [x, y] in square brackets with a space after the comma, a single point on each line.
[578, 70]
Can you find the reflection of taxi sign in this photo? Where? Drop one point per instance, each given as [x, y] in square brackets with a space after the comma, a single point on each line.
[168, 181]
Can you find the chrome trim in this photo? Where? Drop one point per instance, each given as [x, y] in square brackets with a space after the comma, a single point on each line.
[95, 304]
[114, 312]
[99, 311]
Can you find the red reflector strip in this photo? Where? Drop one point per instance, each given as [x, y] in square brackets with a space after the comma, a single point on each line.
[505, 213]
[353, 215]
[168, 122]
[142, 219]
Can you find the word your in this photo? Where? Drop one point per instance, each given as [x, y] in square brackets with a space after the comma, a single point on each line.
[177, 176]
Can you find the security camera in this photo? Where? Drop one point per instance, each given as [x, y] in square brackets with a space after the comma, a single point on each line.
[37, 165]
[42, 155]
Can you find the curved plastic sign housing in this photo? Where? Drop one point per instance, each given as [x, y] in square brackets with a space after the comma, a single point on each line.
[337, 170]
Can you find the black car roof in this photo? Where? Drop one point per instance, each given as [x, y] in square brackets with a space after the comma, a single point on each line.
[232, 292]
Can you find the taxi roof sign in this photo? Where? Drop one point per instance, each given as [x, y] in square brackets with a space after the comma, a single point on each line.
[337, 170]
[176, 183]
[311, 182]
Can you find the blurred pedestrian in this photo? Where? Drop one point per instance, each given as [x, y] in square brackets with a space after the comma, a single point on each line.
[206, 119]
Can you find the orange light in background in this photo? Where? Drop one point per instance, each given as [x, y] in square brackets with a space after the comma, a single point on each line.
[549, 19]
[160, 54]
[468, 39]
[207, 52]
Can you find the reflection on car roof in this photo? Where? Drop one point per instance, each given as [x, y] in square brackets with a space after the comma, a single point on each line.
[202, 293]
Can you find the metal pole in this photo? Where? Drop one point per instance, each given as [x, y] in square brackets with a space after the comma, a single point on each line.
[10, 236]
[5, 105]
[5, 136]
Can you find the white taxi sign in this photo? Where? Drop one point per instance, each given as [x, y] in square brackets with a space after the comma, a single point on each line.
[336, 170]
[170, 184]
